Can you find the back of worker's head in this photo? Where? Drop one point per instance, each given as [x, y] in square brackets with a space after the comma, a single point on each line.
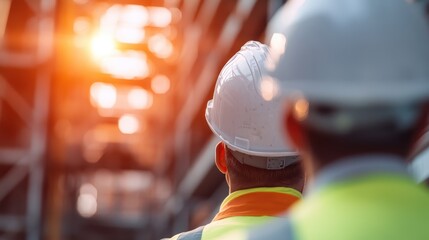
[358, 74]
[253, 147]
[242, 176]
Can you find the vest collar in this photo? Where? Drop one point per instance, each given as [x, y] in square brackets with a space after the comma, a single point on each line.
[257, 202]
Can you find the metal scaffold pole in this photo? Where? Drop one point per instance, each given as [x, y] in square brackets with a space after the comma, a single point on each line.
[25, 161]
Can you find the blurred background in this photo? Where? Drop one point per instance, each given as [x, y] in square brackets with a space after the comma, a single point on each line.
[102, 128]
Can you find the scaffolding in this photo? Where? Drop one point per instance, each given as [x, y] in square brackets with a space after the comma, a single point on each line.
[24, 161]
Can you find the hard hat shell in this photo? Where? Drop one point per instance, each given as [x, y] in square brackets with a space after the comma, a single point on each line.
[353, 52]
[239, 115]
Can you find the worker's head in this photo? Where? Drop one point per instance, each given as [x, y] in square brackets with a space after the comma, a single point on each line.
[249, 126]
[354, 75]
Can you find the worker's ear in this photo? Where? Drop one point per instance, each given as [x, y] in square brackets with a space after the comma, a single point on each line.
[220, 157]
[293, 129]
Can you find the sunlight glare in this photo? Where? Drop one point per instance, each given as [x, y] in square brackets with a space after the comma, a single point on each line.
[126, 65]
[128, 124]
[103, 95]
[160, 84]
[102, 45]
[159, 16]
[161, 46]
[139, 98]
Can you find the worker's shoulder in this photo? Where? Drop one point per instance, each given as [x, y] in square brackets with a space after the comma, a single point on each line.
[236, 227]
[273, 229]
[217, 229]
[195, 234]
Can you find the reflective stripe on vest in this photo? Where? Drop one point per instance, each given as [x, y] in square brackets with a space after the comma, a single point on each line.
[283, 231]
[195, 234]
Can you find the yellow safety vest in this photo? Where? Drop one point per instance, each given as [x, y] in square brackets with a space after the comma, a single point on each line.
[370, 198]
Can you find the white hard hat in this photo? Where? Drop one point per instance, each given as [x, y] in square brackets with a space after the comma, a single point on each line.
[239, 115]
[352, 52]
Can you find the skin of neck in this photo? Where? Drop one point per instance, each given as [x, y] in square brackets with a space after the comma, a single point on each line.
[236, 185]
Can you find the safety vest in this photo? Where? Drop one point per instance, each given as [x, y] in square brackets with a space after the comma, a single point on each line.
[375, 200]
[243, 209]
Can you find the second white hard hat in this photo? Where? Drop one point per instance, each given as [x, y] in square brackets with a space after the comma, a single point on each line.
[352, 52]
